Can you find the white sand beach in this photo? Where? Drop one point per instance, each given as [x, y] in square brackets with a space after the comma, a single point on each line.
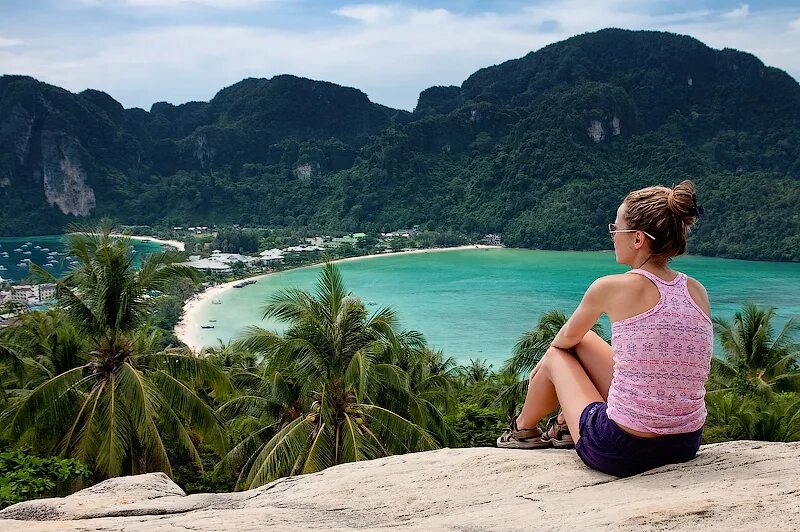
[174, 243]
[193, 305]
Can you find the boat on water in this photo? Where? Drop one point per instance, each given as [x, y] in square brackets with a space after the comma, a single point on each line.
[216, 302]
[371, 303]
[206, 326]
[213, 321]
[244, 283]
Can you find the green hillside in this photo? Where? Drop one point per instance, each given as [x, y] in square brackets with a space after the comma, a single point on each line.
[541, 149]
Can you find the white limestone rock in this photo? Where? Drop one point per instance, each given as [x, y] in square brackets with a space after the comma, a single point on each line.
[596, 131]
[742, 485]
[63, 176]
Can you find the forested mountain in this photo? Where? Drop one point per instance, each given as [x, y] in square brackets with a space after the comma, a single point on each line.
[541, 148]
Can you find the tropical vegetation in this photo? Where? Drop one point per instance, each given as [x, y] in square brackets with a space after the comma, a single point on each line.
[334, 388]
[99, 387]
[94, 388]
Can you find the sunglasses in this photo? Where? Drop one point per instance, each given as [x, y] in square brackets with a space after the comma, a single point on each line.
[612, 229]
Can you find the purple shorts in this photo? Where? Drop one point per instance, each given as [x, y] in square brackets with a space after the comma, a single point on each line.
[607, 448]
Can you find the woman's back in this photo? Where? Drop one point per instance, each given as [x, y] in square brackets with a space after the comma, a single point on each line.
[662, 355]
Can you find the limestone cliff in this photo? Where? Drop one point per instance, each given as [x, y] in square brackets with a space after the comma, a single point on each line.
[729, 486]
[63, 176]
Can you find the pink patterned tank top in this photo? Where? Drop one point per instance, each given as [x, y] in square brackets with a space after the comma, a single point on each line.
[662, 358]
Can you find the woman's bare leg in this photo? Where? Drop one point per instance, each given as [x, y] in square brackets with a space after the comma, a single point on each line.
[560, 379]
[595, 357]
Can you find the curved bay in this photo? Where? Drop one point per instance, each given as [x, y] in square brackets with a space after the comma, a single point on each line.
[477, 303]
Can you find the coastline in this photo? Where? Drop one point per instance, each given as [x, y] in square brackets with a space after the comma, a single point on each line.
[174, 243]
[192, 306]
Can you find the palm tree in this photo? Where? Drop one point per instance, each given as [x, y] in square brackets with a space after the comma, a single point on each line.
[756, 361]
[531, 346]
[12, 360]
[333, 359]
[49, 343]
[476, 372]
[732, 417]
[241, 365]
[114, 409]
[429, 390]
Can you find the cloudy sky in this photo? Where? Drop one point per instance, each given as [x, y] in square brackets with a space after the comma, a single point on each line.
[143, 51]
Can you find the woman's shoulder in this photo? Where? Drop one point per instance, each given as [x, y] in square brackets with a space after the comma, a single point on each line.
[616, 281]
[698, 293]
[611, 286]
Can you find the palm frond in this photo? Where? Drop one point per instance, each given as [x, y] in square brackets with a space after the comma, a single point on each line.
[188, 406]
[397, 433]
[356, 376]
[321, 453]
[278, 456]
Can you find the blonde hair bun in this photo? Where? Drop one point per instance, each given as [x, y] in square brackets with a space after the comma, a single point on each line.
[681, 201]
[666, 213]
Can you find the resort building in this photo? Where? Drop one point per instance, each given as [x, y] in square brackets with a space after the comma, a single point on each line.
[271, 256]
[45, 292]
[220, 262]
[207, 265]
[302, 249]
[348, 239]
[37, 294]
[23, 294]
[492, 239]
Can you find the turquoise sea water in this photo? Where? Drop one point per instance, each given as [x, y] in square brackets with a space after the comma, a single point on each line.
[477, 303]
[50, 251]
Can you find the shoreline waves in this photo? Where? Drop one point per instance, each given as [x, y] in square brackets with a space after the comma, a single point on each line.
[192, 306]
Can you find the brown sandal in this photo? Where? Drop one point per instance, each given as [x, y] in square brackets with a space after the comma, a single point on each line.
[515, 438]
[562, 438]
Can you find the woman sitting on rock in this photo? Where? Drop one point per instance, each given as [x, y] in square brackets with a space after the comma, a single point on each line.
[638, 403]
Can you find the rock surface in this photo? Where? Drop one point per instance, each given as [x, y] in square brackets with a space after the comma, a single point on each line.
[736, 485]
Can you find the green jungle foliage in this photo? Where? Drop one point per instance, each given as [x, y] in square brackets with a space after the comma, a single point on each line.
[509, 151]
[24, 477]
[88, 390]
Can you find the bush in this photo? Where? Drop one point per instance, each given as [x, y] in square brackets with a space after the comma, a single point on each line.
[24, 476]
[477, 426]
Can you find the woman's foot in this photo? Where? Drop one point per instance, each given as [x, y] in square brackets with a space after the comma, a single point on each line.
[557, 433]
[516, 438]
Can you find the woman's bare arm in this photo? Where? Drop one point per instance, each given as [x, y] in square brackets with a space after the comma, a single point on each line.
[586, 315]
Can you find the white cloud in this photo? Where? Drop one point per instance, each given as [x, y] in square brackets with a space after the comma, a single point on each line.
[390, 52]
[173, 4]
[742, 11]
[6, 42]
[219, 4]
[795, 25]
[369, 13]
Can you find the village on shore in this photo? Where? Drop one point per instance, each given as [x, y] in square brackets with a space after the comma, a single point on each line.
[218, 265]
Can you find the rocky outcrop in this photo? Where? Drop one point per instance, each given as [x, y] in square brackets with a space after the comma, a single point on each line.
[64, 179]
[735, 485]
